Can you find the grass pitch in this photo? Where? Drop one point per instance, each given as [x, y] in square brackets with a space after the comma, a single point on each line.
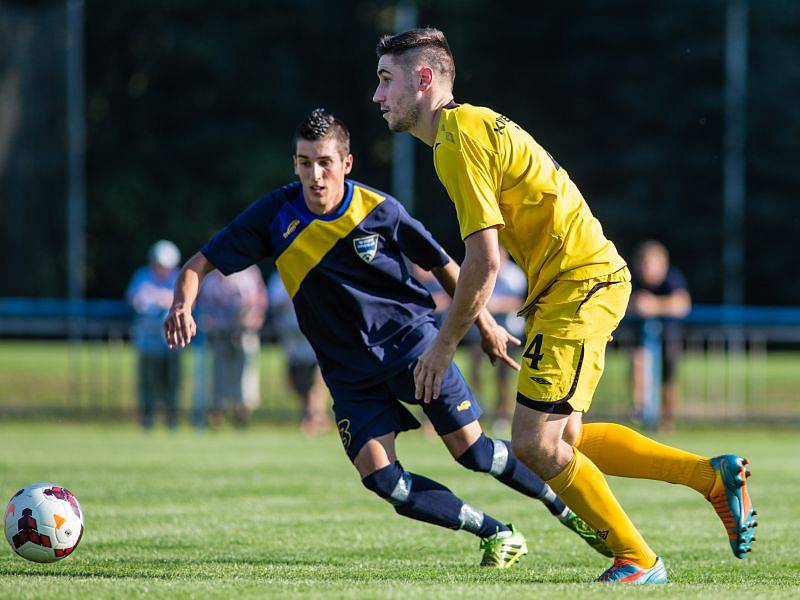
[267, 512]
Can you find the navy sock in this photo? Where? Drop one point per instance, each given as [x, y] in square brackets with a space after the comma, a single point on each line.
[423, 499]
[519, 477]
[494, 456]
[432, 502]
[490, 527]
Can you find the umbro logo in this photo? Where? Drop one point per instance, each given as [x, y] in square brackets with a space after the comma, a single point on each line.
[292, 226]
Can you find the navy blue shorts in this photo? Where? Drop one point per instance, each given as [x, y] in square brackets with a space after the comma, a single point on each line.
[371, 412]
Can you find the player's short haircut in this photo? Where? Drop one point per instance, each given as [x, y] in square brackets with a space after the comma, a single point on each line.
[321, 124]
[420, 46]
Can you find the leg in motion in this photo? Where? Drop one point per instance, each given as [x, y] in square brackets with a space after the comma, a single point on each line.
[537, 440]
[423, 499]
[620, 451]
[474, 450]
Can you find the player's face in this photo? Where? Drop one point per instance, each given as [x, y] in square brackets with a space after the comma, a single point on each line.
[396, 95]
[322, 169]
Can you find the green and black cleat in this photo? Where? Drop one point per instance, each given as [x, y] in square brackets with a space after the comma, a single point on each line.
[503, 549]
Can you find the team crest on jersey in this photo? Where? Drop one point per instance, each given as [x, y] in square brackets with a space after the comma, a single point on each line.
[366, 247]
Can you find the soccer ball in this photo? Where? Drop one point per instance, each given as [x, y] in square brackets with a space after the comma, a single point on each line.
[43, 522]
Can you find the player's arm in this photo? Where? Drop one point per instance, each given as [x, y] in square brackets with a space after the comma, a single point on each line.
[242, 243]
[494, 337]
[179, 326]
[475, 283]
[470, 173]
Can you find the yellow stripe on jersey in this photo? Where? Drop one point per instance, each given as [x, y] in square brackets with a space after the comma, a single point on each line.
[498, 176]
[315, 241]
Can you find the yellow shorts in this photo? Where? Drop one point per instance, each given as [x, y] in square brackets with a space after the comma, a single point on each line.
[567, 330]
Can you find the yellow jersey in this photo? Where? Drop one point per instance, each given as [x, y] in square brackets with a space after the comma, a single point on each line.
[497, 175]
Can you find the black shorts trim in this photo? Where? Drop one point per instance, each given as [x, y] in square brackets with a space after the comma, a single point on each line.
[553, 408]
[596, 288]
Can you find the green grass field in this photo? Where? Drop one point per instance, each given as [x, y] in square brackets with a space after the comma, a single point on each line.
[266, 512]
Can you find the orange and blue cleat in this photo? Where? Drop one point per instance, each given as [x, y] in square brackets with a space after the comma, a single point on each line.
[730, 498]
[623, 571]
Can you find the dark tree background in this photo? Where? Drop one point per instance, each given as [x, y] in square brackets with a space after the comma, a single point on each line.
[191, 105]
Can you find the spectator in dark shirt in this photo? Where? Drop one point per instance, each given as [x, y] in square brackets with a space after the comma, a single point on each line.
[659, 292]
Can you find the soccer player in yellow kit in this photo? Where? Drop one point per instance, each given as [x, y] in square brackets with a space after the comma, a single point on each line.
[507, 189]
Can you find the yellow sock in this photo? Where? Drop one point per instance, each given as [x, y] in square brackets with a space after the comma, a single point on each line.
[583, 488]
[620, 451]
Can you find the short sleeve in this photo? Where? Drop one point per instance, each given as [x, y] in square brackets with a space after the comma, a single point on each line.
[245, 240]
[467, 174]
[417, 243]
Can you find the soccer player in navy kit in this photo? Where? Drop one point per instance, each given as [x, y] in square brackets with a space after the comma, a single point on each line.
[339, 248]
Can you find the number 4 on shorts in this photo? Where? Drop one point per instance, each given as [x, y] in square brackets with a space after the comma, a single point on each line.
[534, 351]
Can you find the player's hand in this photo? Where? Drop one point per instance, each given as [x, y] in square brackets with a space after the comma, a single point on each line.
[430, 370]
[179, 326]
[494, 342]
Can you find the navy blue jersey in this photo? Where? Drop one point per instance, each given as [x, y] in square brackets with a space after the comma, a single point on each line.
[356, 302]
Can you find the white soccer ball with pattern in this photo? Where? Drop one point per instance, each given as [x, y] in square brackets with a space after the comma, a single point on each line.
[43, 522]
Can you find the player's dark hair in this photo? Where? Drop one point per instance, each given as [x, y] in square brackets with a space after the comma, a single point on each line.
[424, 45]
[320, 124]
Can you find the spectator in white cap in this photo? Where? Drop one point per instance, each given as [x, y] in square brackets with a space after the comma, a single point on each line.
[150, 295]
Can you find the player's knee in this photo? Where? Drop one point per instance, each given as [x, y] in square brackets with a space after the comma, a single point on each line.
[540, 456]
[531, 450]
[572, 433]
[486, 456]
[391, 483]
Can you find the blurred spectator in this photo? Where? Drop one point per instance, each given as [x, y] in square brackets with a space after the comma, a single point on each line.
[150, 294]
[509, 294]
[659, 292]
[232, 313]
[440, 297]
[301, 362]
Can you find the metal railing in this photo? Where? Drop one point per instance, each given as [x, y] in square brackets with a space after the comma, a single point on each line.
[60, 359]
[732, 364]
